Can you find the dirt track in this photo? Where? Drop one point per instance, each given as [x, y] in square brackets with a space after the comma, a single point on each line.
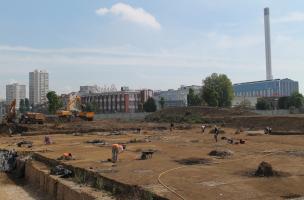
[219, 179]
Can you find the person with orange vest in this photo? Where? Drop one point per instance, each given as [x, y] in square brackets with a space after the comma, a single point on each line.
[116, 149]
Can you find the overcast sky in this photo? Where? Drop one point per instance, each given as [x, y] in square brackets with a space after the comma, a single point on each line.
[157, 44]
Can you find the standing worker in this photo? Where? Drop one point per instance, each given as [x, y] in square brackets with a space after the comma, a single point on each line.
[171, 126]
[116, 149]
[203, 128]
[216, 132]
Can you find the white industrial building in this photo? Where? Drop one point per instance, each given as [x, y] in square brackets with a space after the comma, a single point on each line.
[175, 98]
[15, 91]
[89, 89]
[38, 87]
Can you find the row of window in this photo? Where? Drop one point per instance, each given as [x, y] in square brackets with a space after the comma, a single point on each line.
[263, 93]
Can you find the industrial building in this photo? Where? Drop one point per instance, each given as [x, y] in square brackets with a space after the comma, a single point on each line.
[125, 101]
[38, 87]
[89, 89]
[267, 88]
[15, 91]
[175, 98]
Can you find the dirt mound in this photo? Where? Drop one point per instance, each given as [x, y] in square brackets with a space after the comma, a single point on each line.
[221, 153]
[197, 114]
[265, 170]
[194, 161]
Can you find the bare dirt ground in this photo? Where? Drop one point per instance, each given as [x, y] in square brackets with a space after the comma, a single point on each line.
[9, 190]
[211, 178]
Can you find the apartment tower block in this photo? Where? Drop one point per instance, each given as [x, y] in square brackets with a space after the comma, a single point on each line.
[38, 87]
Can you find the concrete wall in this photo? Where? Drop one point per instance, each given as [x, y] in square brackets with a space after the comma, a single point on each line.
[272, 112]
[126, 116]
[277, 112]
[248, 101]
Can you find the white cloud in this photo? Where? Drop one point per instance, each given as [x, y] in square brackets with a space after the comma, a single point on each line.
[291, 17]
[131, 14]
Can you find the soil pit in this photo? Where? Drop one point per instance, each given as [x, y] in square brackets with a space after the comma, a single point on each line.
[194, 161]
[221, 153]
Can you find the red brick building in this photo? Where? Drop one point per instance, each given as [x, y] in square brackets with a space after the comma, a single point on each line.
[118, 101]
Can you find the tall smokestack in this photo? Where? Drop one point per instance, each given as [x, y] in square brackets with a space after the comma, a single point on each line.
[267, 44]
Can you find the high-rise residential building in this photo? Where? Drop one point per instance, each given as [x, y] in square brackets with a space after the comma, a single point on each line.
[2, 108]
[38, 87]
[15, 91]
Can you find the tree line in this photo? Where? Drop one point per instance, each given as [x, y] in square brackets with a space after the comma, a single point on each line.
[296, 100]
[217, 91]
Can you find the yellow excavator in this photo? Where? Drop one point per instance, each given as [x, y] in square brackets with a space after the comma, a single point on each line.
[81, 113]
[9, 122]
[67, 114]
[75, 109]
[11, 115]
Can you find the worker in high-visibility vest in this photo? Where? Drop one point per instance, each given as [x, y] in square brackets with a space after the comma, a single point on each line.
[116, 149]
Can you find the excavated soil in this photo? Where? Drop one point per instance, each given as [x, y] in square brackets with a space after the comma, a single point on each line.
[219, 179]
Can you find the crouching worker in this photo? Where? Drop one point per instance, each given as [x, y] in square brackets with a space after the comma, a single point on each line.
[47, 140]
[267, 130]
[116, 149]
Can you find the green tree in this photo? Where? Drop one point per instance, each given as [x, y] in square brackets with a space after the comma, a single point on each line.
[149, 105]
[262, 104]
[27, 104]
[22, 107]
[162, 102]
[217, 90]
[54, 101]
[296, 100]
[283, 103]
[90, 107]
[193, 99]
